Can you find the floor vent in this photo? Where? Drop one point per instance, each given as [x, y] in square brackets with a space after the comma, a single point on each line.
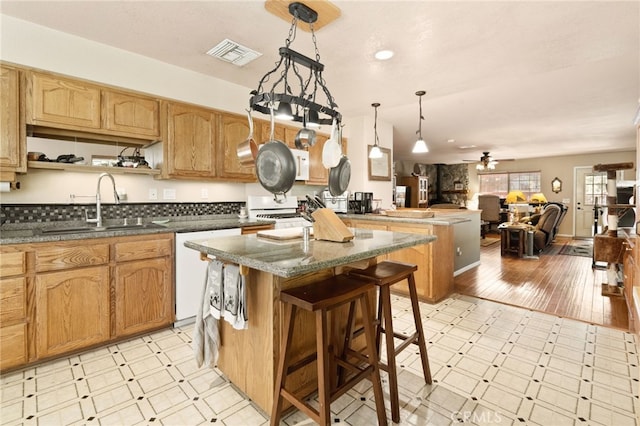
[230, 51]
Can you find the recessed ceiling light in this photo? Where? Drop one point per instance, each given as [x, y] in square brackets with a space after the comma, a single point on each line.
[451, 140]
[383, 55]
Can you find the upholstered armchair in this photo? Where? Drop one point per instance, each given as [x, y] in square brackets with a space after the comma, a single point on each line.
[544, 231]
[490, 206]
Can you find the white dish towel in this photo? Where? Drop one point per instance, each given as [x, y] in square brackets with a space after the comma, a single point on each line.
[206, 337]
[235, 312]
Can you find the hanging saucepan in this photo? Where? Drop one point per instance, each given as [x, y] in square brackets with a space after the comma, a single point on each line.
[248, 149]
[339, 177]
[276, 166]
[305, 137]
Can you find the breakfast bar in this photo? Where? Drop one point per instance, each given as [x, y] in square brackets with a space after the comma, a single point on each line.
[249, 357]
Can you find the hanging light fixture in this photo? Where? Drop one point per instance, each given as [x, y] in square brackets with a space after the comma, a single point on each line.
[375, 152]
[421, 146]
[294, 96]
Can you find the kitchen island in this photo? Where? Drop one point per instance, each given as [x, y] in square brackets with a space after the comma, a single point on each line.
[249, 357]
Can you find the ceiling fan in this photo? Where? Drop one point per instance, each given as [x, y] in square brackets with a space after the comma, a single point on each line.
[487, 162]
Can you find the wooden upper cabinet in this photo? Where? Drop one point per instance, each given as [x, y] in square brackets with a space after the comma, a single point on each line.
[131, 114]
[234, 130]
[318, 174]
[12, 133]
[191, 141]
[64, 103]
[264, 133]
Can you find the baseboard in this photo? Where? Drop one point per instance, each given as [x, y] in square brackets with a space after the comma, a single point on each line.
[466, 268]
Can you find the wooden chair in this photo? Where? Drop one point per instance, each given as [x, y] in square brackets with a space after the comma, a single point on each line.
[321, 298]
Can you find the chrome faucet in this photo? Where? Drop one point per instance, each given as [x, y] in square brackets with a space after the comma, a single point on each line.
[98, 219]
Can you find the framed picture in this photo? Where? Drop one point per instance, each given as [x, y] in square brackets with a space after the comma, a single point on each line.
[457, 186]
[380, 168]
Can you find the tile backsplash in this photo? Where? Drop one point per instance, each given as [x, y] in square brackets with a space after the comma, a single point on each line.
[43, 213]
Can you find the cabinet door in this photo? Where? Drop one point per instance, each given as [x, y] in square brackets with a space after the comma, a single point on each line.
[13, 322]
[191, 141]
[72, 310]
[234, 130]
[131, 114]
[12, 135]
[318, 174]
[144, 296]
[60, 102]
[264, 132]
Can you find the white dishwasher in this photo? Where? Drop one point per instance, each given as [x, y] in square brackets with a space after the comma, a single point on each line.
[190, 273]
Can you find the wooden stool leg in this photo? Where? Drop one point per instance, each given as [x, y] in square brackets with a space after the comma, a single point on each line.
[385, 296]
[283, 365]
[324, 383]
[348, 337]
[413, 294]
[379, 322]
[373, 357]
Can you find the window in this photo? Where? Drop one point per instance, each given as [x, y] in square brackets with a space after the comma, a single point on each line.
[501, 183]
[595, 188]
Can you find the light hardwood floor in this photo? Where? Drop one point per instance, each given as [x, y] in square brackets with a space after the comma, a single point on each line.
[561, 285]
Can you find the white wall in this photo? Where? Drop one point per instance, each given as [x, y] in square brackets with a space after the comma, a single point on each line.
[35, 46]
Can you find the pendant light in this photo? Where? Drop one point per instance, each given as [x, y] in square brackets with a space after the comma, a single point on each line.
[299, 91]
[375, 152]
[421, 146]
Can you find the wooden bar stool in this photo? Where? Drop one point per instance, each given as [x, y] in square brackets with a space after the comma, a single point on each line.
[384, 275]
[321, 297]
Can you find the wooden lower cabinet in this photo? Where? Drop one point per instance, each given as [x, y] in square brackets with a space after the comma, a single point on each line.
[62, 297]
[148, 284]
[72, 310]
[434, 277]
[13, 308]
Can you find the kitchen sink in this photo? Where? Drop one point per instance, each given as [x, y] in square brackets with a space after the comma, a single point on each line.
[86, 229]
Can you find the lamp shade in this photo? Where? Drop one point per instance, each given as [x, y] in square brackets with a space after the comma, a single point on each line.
[420, 147]
[515, 197]
[538, 198]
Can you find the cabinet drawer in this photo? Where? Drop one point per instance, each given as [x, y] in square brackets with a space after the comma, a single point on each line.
[54, 258]
[148, 249]
[13, 346]
[12, 263]
[12, 300]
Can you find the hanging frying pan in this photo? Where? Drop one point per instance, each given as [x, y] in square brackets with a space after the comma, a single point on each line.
[248, 149]
[339, 177]
[276, 166]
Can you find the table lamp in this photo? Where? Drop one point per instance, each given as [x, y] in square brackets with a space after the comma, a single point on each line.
[514, 197]
[538, 198]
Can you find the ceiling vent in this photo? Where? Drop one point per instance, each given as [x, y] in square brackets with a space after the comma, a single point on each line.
[230, 51]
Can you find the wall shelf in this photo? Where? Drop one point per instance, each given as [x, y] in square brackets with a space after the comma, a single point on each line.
[70, 167]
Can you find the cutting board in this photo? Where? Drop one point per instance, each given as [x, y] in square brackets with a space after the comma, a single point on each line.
[282, 234]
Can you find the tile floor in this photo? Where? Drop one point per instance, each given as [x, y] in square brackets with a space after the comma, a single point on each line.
[491, 364]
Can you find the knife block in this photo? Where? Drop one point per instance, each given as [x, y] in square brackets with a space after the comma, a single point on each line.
[329, 227]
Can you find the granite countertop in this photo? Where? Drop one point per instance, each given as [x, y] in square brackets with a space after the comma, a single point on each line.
[441, 217]
[293, 257]
[33, 232]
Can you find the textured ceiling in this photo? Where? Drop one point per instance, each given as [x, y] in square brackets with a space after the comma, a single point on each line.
[519, 79]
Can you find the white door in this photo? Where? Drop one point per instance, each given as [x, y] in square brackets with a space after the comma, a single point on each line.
[590, 189]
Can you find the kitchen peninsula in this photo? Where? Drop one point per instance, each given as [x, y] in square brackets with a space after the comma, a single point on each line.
[456, 250]
[248, 357]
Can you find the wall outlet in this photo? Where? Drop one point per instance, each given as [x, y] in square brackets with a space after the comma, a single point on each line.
[169, 194]
[153, 194]
[204, 193]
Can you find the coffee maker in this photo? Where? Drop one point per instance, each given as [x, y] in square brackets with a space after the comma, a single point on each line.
[364, 202]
